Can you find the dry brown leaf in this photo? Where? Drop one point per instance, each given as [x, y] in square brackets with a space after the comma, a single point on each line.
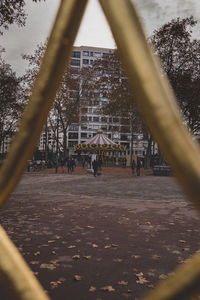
[95, 246]
[155, 256]
[107, 246]
[122, 282]
[136, 256]
[108, 288]
[92, 289]
[87, 256]
[92, 227]
[117, 259]
[71, 246]
[76, 256]
[78, 277]
[47, 266]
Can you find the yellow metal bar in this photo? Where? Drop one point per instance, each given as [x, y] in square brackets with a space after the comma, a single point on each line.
[154, 96]
[16, 273]
[181, 285]
[45, 87]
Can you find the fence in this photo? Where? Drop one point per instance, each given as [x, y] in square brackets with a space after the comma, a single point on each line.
[155, 101]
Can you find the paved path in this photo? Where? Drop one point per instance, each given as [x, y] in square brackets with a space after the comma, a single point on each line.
[110, 237]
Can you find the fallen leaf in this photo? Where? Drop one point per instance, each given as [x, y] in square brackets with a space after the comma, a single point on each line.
[176, 252]
[108, 288]
[141, 278]
[92, 289]
[122, 282]
[182, 241]
[155, 256]
[114, 245]
[87, 256]
[92, 227]
[51, 241]
[37, 253]
[78, 277]
[71, 246]
[107, 246]
[34, 262]
[136, 256]
[47, 266]
[95, 246]
[76, 256]
[117, 259]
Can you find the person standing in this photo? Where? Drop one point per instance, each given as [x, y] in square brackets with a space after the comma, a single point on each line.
[138, 166]
[133, 167]
[95, 167]
[69, 165]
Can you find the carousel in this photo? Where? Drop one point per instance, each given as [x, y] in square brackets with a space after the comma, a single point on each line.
[98, 146]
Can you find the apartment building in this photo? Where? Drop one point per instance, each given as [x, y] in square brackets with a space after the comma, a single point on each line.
[91, 117]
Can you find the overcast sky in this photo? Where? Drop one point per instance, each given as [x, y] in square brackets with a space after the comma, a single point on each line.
[94, 30]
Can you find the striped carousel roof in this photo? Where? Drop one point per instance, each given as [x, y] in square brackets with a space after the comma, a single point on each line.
[100, 139]
[100, 142]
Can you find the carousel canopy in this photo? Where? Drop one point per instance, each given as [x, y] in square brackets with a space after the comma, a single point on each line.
[100, 142]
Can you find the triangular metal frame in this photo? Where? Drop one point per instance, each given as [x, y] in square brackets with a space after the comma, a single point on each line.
[156, 102]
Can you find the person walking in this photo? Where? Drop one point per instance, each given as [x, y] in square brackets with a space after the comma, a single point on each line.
[72, 165]
[69, 165]
[95, 167]
[133, 167]
[138, 166]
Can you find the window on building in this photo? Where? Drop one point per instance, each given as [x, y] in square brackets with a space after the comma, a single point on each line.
[103, 119]
[91, 61]
[84, 134]
[96, 103]
[73, 135]
[95, 119]
[85, 53]
[84, 110]
[73, 127]
[83, 127]
[90, 119]
[91, 53]
[85, 61]
[75, 62]
[97, 54]
[103, 103]
[106, 54]
[72, 143]
[95, 127]
[84, 118]
[104, 95]
[76, 54]
[76, 70]
[116, 120]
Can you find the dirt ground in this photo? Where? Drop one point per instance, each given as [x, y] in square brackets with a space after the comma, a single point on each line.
[113, 236]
